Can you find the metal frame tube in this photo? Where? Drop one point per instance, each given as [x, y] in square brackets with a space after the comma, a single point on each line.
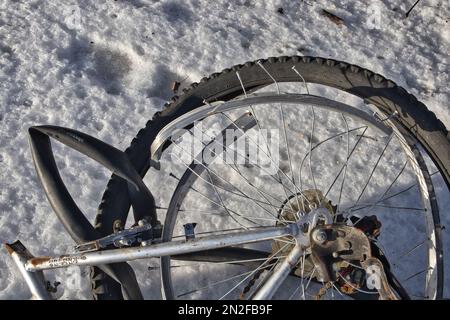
[162, 249]
[280, 273]
[34, 280]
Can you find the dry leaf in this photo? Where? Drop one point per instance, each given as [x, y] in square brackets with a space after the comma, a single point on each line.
[333, 17]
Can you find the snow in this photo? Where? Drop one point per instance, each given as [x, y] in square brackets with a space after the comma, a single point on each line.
[105, 67]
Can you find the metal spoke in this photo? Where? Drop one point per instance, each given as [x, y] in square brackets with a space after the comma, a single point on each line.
[256, 165]
[287, 147]
[221, 205]
[265, 141]
[285, 241]
[346, 162]
[393, 195]
[302, 269]
[284, 128]
[209, 171]
[271, 160]
[298, 191]
[261, 283]
[337, 289]
[217, 283]
[243, 177]
[302, 272]
[255, 218]
[417, 274]
[332, 292]
[345, 169]
[231, 262]
[196, 211]
[198, 192]
[263, 265]
[308, 283]
[319, 144]
[390, 186]
[417, 246]
[226, 190]
[387, 206]
[224, 231]
[373, 170]
[310, 153]
[303, 79]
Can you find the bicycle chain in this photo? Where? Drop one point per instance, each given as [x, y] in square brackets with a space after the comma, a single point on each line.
[255, 278]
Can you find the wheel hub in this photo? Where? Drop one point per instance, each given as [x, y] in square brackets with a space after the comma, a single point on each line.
[307, 209]
[328, 245]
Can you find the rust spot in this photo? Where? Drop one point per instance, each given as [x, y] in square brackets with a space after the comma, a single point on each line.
[291, 264]
[38, 261]
[8, 248]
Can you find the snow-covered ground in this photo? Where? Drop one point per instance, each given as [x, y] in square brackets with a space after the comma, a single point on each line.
[104, 67]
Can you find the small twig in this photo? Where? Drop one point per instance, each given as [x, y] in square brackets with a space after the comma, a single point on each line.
[334, 18]
[409, 11]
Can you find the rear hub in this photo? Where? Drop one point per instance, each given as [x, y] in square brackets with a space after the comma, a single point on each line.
[336, 250]
[308, 208]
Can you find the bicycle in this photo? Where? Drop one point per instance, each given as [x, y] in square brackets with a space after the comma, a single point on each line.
[288, 189]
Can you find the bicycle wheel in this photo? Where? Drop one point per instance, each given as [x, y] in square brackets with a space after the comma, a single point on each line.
[308, 180]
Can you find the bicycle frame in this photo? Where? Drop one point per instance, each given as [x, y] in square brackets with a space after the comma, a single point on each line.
[32, 267]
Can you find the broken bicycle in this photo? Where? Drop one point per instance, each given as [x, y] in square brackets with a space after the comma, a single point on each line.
[288, 178]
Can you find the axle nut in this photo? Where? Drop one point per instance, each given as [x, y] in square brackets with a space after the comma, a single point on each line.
[319, 236]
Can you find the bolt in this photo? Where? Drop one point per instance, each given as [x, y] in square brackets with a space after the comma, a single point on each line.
[305, 227]
[335, 254]
[320, 236]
